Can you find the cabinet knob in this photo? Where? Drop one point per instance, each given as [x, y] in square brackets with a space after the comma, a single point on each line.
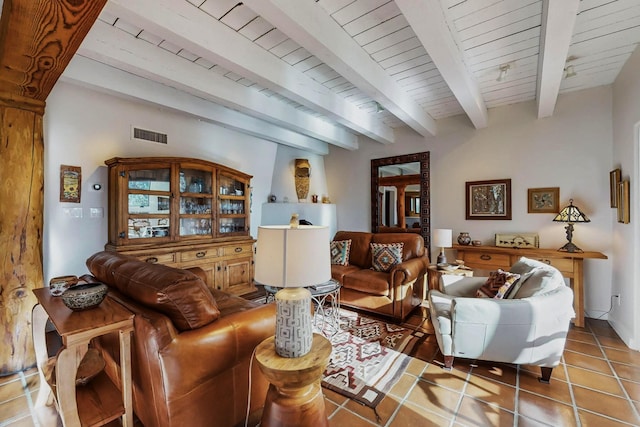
[546, 261]
[121, 234]
[151, 260]
[201, 254]
[219, 268]
[485, 257]
[238, 249]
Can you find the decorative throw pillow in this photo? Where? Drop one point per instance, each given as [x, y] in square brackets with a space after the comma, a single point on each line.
[385, 255]
[340, 250]
[498, 285]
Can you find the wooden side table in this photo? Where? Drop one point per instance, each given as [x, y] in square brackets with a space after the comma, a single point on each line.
[294, 398]
[100, 401]
[434, 275]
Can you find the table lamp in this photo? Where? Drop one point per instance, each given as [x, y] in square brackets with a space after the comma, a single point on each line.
[442, 239]
[570, 214]
[292, 258]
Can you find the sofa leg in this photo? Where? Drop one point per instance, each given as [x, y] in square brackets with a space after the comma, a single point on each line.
[546, 375]
[448, 362]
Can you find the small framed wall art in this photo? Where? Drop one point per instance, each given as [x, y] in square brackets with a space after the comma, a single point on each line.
[543, 200]
[488, 199]
[623, 202]
[614, 179]
[70, 183]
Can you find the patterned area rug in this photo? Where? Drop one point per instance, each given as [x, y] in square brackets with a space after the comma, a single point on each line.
[369, 356]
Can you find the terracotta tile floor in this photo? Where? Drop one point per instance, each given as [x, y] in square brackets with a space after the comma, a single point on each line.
[597, 384]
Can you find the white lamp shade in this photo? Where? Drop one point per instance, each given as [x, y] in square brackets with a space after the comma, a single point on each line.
[442, 237]
[292, 257]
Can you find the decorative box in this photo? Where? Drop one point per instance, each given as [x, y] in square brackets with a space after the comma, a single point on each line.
[517, 240]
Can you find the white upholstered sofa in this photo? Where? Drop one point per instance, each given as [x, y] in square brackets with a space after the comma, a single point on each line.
[529, 327]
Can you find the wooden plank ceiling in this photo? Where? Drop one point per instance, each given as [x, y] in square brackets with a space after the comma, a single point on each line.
[332, 70]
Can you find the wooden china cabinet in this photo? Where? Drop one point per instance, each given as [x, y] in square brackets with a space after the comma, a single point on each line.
[183, 212]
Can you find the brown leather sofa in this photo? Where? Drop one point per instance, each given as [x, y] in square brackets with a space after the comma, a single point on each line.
[394, 294]
[191, 348]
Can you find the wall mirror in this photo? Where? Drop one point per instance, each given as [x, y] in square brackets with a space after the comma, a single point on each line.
[400, 195]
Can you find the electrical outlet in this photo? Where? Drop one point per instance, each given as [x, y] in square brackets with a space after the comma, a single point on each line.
[617, 299]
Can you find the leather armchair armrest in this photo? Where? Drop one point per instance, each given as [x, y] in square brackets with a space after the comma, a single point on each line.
[195, 356]
[408, 270]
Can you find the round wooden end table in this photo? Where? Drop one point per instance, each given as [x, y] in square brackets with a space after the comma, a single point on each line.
[294, 397]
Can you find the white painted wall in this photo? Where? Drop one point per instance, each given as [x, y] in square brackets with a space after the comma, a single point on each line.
[626, 237]
[83, 127]
[283, 183]
[571, 150]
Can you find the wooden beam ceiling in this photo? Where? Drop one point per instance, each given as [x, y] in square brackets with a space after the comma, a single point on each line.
[558, 20]
[318, 32]
[427, 19]
[186, 26]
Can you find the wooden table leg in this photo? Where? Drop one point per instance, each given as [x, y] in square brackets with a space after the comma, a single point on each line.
[125, 377]
[39, 319]
[578, 292]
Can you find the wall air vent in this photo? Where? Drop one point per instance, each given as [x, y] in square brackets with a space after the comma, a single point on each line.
[148, 135]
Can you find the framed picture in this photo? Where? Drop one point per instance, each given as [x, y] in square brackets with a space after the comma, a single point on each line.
[70, 183]
[488, 199]
[614, 179]
[543, 200]
[623, 202]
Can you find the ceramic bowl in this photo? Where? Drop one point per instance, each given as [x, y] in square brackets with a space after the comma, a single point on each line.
[84, 296]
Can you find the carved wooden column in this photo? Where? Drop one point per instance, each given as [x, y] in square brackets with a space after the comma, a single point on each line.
[38, 38]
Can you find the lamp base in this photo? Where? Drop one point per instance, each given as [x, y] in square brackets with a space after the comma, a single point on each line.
[294, 329]
[570, 247]
[442, 258]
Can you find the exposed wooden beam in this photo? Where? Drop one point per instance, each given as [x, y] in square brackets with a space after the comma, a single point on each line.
[88, 72]
[114, 47]
[186, 26]
[38, 39]
[316, 31]
[558, 21]
[428, 21]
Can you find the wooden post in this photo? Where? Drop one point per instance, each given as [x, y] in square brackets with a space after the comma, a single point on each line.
[38, 38]
[21, 193]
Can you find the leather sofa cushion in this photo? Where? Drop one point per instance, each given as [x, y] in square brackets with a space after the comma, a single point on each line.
[179, 294]
[338, 272]
[368, 281]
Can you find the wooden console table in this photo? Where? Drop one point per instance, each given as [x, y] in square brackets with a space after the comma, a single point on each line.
[100, 401]
[569, 264]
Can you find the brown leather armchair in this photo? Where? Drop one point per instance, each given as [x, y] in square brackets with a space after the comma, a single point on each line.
[191, 347]
[394, 294]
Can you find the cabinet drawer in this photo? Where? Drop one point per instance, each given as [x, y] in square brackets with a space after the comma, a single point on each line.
[198, 254]
[486, 261]
[562, 264]
[168, 258]
[237, 250]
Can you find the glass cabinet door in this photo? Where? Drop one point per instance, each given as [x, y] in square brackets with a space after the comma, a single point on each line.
[232, 205]
[196, 202]
[148, 203]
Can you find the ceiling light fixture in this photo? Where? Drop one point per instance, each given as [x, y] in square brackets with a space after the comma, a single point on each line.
[569, 72]
[504, 68]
